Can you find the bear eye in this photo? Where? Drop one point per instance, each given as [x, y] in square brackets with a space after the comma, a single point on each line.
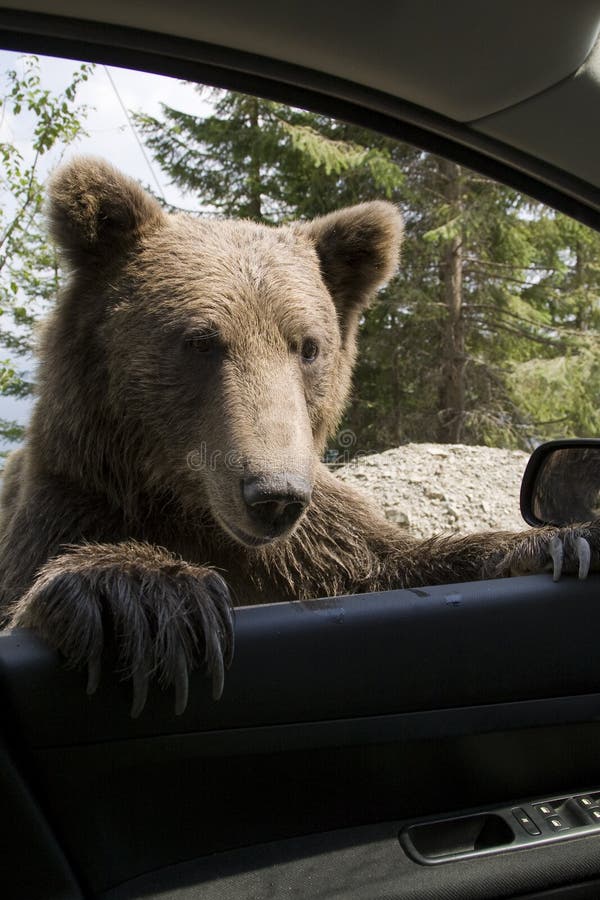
[310, 350]
[202, 341]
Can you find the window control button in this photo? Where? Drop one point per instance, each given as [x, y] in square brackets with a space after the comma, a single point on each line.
[545, 809]
[594, 815]
[557, 824]
[585, 802]
[524, 820]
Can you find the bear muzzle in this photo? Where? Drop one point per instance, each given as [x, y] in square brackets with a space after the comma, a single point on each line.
[275, 502]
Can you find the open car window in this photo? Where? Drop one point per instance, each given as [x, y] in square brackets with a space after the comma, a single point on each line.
[483, 337]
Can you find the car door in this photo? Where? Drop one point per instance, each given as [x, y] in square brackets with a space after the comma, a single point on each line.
[400, 744]
[343, 720]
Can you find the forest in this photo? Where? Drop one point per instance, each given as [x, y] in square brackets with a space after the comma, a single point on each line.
[487, 335]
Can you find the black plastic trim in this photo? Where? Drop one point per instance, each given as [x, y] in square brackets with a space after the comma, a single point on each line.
[407, 653]
[237, 70]
[414, 836]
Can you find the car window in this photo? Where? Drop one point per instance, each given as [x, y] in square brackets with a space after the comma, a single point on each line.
[482, 345]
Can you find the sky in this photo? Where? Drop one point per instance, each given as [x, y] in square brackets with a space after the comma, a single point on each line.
[109, 133]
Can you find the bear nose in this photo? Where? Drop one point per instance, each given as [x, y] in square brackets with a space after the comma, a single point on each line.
[276, 502]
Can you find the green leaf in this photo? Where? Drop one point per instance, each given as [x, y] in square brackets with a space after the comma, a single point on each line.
[445, 232]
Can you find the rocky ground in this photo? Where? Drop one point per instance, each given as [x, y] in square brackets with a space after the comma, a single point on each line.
[434, 488]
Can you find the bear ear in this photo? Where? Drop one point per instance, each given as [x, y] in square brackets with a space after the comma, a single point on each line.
[358, 250]
[94, 210]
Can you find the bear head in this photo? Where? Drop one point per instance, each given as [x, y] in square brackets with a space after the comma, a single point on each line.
[210, 359]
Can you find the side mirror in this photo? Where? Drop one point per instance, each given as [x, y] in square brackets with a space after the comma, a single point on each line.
[561, 484]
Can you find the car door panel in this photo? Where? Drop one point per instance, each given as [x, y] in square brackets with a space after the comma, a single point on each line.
[340, 713]
[365, 655]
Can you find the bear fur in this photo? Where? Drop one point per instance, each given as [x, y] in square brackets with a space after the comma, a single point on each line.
[189, 378]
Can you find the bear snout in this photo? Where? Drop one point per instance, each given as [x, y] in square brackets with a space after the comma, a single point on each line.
[275, 502]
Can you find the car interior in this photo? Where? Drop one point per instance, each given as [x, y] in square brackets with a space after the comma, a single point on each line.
[440, 742]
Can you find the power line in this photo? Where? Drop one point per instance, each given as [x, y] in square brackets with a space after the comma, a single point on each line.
[135, 134]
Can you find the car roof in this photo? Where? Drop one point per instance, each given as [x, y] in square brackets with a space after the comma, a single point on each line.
[516, 81]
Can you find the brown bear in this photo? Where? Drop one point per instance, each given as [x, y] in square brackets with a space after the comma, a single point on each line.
[189, 378]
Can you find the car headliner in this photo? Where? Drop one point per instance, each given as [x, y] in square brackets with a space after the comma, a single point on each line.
[517, 81]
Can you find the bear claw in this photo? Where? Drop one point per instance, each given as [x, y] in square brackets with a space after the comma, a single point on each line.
[182, 684]
[94, 668]
[584, 552]
[218, 679]
[557, 554]
[140, 692]
[571, 549]
[166, 617]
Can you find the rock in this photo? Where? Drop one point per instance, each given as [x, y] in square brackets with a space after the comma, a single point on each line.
[437, 488]
[434, 494]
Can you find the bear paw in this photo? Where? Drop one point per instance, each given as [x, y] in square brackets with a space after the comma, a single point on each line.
[166, 616]
[573, 549]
